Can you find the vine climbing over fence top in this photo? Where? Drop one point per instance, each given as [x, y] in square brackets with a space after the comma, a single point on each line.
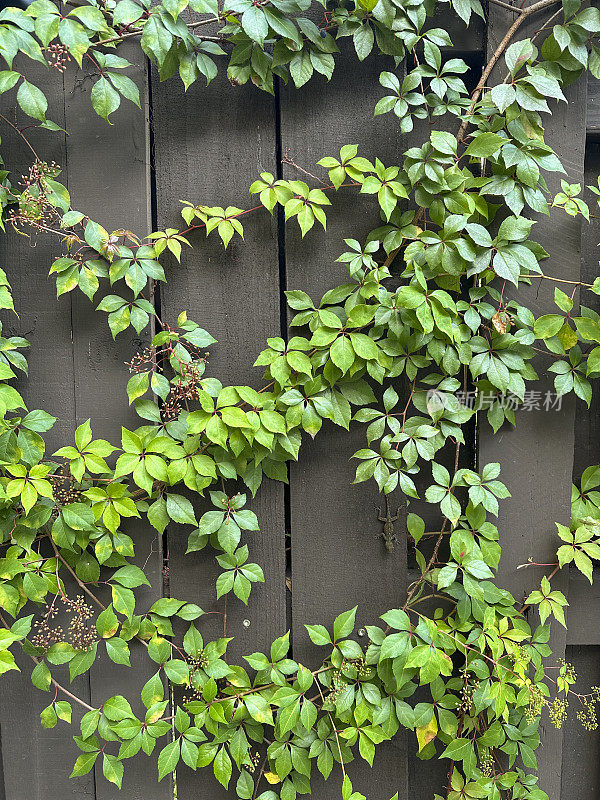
[432, 298]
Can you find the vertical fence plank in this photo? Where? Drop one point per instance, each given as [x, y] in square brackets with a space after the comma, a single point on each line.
[109, 179]
[537, 457]
[587, 427]
[580, 775]
[580, 769]
[209, 147]
[36, 761]
[337, 559]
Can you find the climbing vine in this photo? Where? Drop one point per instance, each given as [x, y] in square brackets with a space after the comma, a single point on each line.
[428, 300]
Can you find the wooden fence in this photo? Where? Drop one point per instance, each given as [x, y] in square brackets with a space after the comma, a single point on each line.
[318, 542]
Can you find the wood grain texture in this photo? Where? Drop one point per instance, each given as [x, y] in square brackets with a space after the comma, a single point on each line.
[593, 108]
[581, 763]
[585, 599]
[584, 608]
[36, 762]
[209, 147]
[537, 456]
[587, 422]
[109, 179]
[337, 559]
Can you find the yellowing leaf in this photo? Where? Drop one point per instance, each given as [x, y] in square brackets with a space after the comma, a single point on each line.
[427, 733]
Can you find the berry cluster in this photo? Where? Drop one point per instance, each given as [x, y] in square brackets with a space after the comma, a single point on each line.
[63, 490]
[567, 671]
[254, 761]
[465, 707]
[536, 703]
[184, 391]
[194, 689]
[486, 762]
[45, 635]
[362, 668]
[79, 636]
[587, 716]
[338, 684]
[35, 209]
[142, 361]
[58, 56]
[339, 680]
[557, 710]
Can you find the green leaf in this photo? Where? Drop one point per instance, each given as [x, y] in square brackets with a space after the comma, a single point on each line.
[168, 759]
[32, 100]
[485, 145]
[105, 99]
[259, 708]
[222, 767]
[301, 68]
[318, 634]
[255, 24]
[40, 677]
[137, 386]
[84, 763]
[342, 353]
[587, 328]
[118, 651]
[112, 769]
[180, 510]
[81, 662]
[126, 87]
[458, 750]
[343, 624]
[548, 325]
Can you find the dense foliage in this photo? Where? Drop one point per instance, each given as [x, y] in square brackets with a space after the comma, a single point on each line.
[456, 226]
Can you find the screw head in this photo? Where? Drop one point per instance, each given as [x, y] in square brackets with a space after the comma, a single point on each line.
[361, 632]
[246, 623]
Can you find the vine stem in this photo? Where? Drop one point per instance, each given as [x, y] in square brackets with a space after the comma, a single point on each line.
[73, 697]
[559, 280]
[525, 13]
[54, 682]
[21, 134]
[83, 586]
[260, 774]
[440, 537]
[255, 689]
[508, 7]
[337, 738]
[80, 583]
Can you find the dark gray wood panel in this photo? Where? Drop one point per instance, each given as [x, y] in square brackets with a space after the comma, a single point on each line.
[581, 761]
[109, 179]
[585, 599]
[587, 427]
[36, 762]
[337, 561]
[209, 147]
[593, 108]
[465, 39]
[584, 609]
[536, 457]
